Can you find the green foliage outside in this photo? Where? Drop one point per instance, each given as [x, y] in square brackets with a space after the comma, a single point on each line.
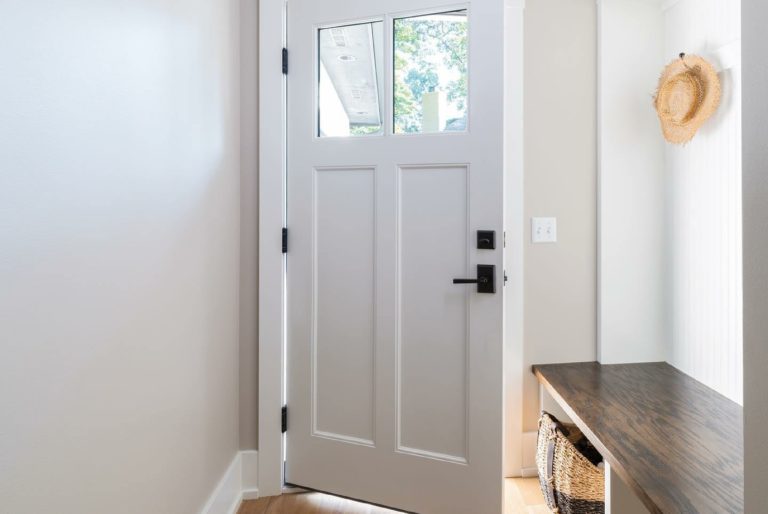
[425, 48]
[364, 130]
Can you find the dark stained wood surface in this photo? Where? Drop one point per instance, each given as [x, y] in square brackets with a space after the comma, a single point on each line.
[677, 443]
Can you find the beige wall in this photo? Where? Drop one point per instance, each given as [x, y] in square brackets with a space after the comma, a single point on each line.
[249, 227]
[560, 180]
[755, 187]
[119, 254]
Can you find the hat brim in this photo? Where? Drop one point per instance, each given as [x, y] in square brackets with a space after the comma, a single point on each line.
[680, 133]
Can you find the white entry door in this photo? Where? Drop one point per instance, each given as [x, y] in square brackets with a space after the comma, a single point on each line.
[395, 162]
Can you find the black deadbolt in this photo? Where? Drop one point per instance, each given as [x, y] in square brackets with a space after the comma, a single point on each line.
[486, 239]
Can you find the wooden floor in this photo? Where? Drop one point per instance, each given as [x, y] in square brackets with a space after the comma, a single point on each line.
[521, 496]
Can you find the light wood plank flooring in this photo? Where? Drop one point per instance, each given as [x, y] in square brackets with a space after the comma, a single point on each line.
[521, 496]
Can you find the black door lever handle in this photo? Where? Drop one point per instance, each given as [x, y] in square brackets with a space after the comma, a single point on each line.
[481, 280]
[486, 279]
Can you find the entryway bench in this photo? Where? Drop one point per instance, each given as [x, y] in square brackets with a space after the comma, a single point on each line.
[676, 444]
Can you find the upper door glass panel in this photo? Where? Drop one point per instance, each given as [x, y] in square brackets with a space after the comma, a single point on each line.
[430, 73]
[350, 80]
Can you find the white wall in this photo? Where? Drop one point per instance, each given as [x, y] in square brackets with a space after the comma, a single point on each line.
[755, 192]
[670, 216]
[119, 228]
[249, 224]
[703, 226]
[560, 180]
[631, 256]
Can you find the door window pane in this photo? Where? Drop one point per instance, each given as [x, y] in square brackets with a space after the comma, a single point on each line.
[430, 68]
[350, 80]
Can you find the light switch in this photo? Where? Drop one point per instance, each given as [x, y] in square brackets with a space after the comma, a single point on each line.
[543, 230]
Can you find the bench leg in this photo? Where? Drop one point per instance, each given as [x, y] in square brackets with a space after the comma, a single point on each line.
[619, 498]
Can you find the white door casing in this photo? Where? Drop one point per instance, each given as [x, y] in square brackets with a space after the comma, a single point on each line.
[394, 373]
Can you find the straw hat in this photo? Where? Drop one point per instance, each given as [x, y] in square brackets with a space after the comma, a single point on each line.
[688, 94]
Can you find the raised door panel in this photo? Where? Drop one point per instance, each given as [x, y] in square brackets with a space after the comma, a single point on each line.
[433, 312]
[344, 306]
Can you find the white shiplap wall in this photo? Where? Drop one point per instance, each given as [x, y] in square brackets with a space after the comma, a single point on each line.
[703, 208]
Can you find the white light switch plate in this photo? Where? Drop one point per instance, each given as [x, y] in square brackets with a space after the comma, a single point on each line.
[544, 230]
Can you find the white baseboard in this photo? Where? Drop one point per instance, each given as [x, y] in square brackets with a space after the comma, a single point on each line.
[250, 474]
[238, 483]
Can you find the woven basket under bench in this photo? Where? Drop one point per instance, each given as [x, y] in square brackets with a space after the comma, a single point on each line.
[569, 475]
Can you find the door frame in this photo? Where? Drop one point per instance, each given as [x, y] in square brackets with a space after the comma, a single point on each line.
[272, 208]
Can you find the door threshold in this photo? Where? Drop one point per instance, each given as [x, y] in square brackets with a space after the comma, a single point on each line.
[294, 489]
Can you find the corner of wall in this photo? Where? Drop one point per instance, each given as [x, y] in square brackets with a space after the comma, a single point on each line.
[560, 180]
[755, 192]
[239, 483]
[249, 229]
[631, 186]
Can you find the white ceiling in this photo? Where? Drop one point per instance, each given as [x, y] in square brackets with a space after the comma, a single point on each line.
[354, 64]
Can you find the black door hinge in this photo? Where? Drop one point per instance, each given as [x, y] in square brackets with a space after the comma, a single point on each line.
[285, 61]
[285, 240]
[285, 419]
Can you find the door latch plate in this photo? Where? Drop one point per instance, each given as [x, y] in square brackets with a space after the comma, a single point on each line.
[486, 278]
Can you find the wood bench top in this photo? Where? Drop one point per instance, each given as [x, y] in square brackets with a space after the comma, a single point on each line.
[676, 443]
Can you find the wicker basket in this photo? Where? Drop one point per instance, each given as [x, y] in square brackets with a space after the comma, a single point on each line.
[569, 475]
